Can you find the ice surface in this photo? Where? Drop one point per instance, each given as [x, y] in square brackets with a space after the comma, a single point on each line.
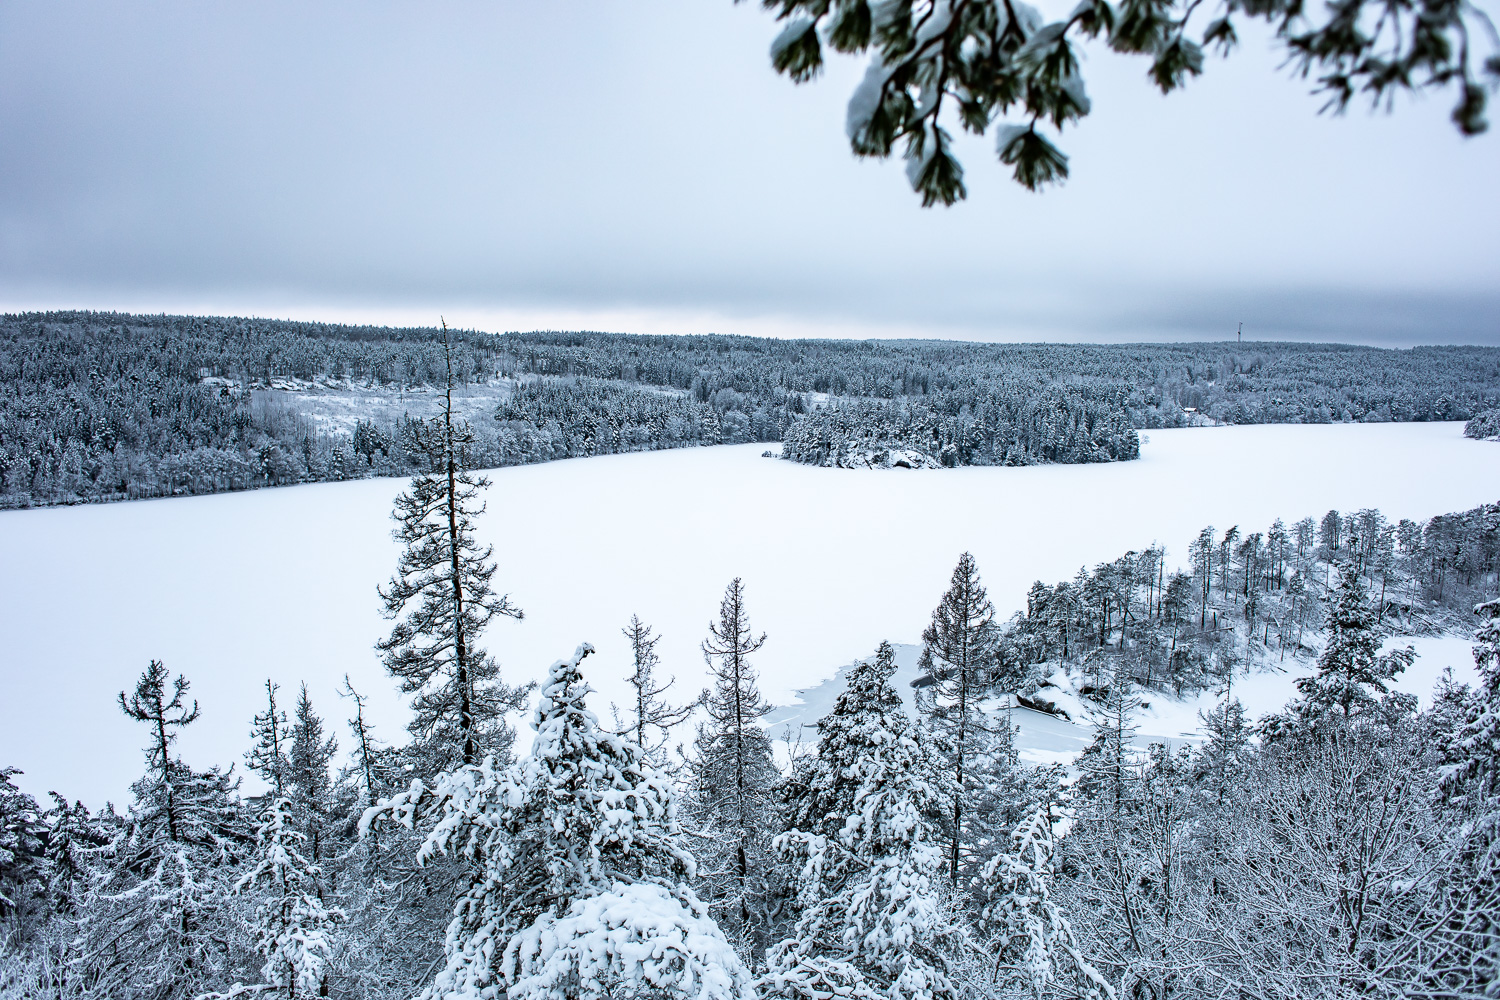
[231, 589]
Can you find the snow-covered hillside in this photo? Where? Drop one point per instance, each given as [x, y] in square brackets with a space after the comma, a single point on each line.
[233, 588]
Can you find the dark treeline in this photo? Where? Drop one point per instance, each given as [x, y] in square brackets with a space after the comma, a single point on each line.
[1153, 383]
[588, 416]
[1001, 428]
[100, 406]
[1484, 426]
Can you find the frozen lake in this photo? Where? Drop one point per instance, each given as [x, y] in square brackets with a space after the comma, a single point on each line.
[232, 589]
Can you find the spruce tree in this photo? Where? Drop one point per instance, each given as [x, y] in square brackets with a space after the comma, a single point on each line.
[1221, 759]
[580, 877]
[75, 838]
[1351, 671]
[443, 588]
[308, 783]
[866, 715]
[958, 653]
[21, 848]
[294, 930]
[1029, 940]
[734, 777]
[871, 880]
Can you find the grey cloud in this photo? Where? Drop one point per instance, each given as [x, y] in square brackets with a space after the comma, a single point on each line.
[603, 156]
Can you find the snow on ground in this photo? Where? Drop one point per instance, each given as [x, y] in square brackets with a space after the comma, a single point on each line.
[233, 588]
[1049, 739]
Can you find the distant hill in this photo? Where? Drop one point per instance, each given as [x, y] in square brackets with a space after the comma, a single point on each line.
[101, 406]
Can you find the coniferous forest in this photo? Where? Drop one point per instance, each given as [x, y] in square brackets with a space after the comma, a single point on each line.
[1347, 845]
[104, 406]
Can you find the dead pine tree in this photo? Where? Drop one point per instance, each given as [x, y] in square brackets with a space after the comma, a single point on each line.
[365, 768]
[649, 709]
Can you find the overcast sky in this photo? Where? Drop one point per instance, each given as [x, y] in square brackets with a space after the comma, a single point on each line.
[633, 165]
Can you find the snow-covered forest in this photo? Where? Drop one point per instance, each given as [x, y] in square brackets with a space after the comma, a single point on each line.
[1345, 845]
[105, 406]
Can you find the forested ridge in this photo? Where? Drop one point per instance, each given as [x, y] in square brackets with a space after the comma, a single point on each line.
[100, 406]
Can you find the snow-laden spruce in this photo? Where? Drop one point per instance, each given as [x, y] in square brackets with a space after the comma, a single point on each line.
[578, 884]
[871, 879]
[1351, 670]
[1030, 939]
[294, 930]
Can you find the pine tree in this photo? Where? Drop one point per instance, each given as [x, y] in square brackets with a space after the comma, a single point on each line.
[443, 587]
[871, 878]
[1351, 671]
[579, 889]
[267, 756]
[1202, 552]
[650, 718]
[734, 776]
[156, 925]
[294, 930]
[958, 653]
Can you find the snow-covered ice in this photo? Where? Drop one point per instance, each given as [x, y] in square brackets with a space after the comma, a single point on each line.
[231, 589]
